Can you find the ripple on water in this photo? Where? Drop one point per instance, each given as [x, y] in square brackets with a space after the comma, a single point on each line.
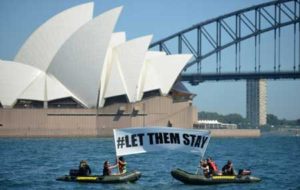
[35, 163]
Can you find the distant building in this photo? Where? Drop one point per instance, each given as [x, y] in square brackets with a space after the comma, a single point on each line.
[256, 102]
[213, 124]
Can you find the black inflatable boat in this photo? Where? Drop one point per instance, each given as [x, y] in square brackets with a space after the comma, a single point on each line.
[122, 178]
[193, 179]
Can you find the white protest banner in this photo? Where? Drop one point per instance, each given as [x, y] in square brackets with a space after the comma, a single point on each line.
[147, 139]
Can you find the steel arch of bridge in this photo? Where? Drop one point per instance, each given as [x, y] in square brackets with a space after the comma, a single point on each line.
[274, 15]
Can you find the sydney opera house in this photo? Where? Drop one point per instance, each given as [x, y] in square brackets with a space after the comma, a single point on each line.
[75, 76]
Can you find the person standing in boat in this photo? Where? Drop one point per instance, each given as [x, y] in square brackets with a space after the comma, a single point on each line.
[213, 168]
[107, 168]
[228, 168]
[122, 165]
[169, 124]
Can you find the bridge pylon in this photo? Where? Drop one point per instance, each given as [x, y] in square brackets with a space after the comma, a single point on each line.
[256, 102]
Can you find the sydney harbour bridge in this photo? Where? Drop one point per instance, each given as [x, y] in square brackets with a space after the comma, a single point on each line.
[273, 23]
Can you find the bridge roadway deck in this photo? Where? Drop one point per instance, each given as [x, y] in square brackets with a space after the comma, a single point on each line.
[196, 78]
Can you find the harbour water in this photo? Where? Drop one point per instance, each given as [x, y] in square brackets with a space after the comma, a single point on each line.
[34, 163]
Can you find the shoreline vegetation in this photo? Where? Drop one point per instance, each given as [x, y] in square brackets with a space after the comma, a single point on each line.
[274, 126]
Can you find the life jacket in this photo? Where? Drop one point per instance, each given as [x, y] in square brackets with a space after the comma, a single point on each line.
[122, 166]
[213, 165]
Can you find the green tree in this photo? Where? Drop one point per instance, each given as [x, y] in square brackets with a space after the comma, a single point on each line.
[234, 118]
[230, 118]
[273, 120]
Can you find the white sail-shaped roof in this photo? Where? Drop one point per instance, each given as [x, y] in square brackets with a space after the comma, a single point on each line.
[118, 82]
[46, 88]
[36, 90]
[78, 64]
[14, 78]
[146, 70]
[56, 90]
[131, 56]
[116, 39]
[162, 71]
[115, 84]
[72, 55]
[41, 47]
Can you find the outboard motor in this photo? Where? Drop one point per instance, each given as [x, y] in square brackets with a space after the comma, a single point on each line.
[74, 172]
[244, 172]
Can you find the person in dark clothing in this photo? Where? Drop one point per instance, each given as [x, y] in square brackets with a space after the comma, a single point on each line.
[107, 168]
[169, 124]
[228, 168]
[84, 168]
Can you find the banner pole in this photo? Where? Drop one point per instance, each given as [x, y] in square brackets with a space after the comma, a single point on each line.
[199, 166]
[118, 163]
[117, 158]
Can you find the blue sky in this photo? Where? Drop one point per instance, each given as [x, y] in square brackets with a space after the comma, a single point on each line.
[18, 19]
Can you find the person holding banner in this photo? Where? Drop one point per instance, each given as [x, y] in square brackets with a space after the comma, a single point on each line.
[205, 168]
[107, 168]
[122, 165]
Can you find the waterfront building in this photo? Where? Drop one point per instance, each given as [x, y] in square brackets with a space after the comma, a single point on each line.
[256, 102]
[214, 124]
[75, 76]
